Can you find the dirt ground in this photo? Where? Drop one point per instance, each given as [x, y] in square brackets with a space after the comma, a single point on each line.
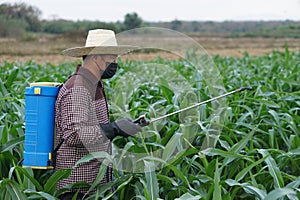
[47, 49]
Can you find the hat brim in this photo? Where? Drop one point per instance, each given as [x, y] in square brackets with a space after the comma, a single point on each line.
[84, 51]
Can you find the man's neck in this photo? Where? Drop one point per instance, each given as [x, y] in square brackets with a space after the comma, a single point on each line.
[92, 68]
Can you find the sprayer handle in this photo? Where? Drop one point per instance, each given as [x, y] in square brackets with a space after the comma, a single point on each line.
[142, 121]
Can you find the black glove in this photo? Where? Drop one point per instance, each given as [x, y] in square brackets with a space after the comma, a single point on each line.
[123, 127]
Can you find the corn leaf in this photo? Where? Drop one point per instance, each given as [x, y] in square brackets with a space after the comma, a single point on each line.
[11, 144]
[166, 179]
[243, 173]
[122, 185]
[151, 180]
[188, 196]
[29, 176]
[11, 78]
[171, 146]
[101, 173]
[14, 190]
[250, 189]
[217, 186]
[278, 193]
[273, 168]
[94, 155]
[38, 195]
[51, 183]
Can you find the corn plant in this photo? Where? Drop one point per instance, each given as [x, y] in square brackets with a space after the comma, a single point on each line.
[256, 155]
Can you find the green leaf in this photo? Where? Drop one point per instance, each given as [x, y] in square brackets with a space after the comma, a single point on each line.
[166, 179]
[188, 196]
[238, 147]
[179, 174]
[102, 189]
[269, 104]
[11, 144]
[27, 183]
[3, 90]
[169, 134]
[273, 168]
[124, 151]
[171, 146]
[39, 195]
[211, 168]
[51, 183]
[243, 173]
[182, 177]
[4, 134]
[217, 186]
[4, 194]
[91, 156]
[275, 115]
[13, 74]
[250, 189]
[14, 190]
[281, 192]
[68, 187]
[101, 173]
[181, 155]
[242, 144]
[219, 152]
[294, 184]
[122, 185]
[151, 180]
[29, 176]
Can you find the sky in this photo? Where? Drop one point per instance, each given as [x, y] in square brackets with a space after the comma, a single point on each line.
[167, 10]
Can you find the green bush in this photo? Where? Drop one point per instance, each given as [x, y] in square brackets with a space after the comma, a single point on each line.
[22, 11]
[64, 26]
[14, 28]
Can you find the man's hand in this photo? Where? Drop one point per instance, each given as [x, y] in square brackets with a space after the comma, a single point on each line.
[123, 127]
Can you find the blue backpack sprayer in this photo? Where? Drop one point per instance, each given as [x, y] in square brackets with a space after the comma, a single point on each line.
[39, 124]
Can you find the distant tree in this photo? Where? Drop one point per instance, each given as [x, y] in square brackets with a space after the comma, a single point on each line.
[132, 20]
[195, 26]
[12, 27]
[88, 25]
[21, 11]
[176, 24]
[58, 26]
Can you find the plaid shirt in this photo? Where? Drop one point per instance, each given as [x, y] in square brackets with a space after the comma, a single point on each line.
[80, 107]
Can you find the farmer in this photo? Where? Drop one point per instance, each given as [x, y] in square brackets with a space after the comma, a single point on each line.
[82, 115]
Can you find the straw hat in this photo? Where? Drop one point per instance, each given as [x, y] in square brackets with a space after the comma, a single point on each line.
[99, 41]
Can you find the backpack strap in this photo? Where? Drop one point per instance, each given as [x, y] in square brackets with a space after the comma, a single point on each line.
[52, 162]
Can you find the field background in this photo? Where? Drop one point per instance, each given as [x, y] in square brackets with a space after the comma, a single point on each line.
[25, 36]
[47, 47]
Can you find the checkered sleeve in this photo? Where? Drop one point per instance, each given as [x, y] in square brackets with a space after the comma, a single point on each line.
[79, 119]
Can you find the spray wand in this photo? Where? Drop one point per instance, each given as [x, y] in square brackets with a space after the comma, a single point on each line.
[142, 121]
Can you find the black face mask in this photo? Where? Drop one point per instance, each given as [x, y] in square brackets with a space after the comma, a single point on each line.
[110, 70]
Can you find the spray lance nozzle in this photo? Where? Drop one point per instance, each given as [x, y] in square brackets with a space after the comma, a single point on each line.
[142, 121]
[245, 88]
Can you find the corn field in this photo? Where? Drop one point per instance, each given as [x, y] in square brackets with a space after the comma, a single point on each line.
[255, 156]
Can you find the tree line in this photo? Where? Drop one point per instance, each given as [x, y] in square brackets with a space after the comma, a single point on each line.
[19, 19]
